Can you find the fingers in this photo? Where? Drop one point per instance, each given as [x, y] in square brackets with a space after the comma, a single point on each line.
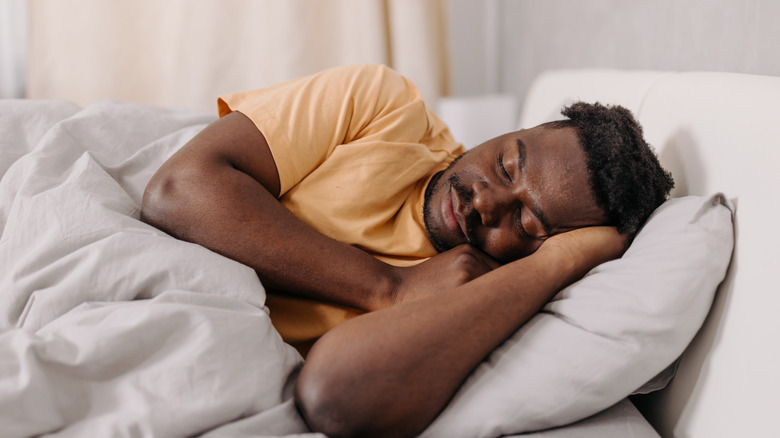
[443, 272]
[467, 264]
[479, 256]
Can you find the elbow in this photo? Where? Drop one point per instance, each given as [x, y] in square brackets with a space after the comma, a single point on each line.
[329, 398]
[317, 403]
[158, 201]
[337, 396]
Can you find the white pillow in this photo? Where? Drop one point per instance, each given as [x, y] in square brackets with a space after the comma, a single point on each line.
[602, 338]
[622, 420]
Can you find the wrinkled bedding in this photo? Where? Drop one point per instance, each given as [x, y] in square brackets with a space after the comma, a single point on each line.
[108, 326]
[111, 328]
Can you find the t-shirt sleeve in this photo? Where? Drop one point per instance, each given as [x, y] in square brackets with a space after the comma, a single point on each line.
[305, 119]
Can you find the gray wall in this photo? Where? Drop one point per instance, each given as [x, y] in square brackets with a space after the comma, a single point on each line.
[536, 35]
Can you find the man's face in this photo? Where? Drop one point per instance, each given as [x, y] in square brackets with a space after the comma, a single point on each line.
[509, 194]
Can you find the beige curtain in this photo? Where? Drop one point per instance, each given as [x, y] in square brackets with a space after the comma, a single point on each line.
[186, 52]
[12, 48]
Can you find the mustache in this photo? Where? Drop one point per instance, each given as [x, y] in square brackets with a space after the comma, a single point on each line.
[466, 197]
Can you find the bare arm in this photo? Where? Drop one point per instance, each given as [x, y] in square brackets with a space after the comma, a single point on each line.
[220, 191]
[389, 373]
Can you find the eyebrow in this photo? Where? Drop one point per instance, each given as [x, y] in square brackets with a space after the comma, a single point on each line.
[535, 208]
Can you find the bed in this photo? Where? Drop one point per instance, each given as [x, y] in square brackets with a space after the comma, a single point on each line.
[110, 327]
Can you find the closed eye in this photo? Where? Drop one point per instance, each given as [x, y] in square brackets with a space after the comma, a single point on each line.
[502, 169]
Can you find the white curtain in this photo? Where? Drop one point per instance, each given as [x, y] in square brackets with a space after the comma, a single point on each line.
[186, 52]
[13, 46]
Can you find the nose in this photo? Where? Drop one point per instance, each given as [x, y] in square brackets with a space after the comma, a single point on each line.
[490, 201]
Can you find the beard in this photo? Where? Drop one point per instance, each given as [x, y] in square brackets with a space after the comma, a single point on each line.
[464, 194]
[436, 240]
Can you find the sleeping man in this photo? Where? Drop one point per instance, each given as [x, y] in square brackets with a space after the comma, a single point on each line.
[384, 241]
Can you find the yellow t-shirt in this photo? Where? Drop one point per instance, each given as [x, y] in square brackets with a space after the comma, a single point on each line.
[355, 148]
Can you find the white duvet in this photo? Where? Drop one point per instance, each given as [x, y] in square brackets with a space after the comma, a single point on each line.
[109, 327]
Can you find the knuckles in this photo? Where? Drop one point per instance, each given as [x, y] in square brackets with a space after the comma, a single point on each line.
[449, 269]
[467, 264]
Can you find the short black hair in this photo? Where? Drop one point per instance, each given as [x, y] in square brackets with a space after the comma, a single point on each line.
[625, 174]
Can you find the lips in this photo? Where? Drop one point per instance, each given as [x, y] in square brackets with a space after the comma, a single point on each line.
[453, 219]
[448, 206]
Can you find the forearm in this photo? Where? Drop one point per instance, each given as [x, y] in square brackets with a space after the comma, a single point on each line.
[394, 370]
[389, 373]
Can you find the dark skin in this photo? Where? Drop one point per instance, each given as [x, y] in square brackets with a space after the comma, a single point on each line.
[391, 371]
[509, 194]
